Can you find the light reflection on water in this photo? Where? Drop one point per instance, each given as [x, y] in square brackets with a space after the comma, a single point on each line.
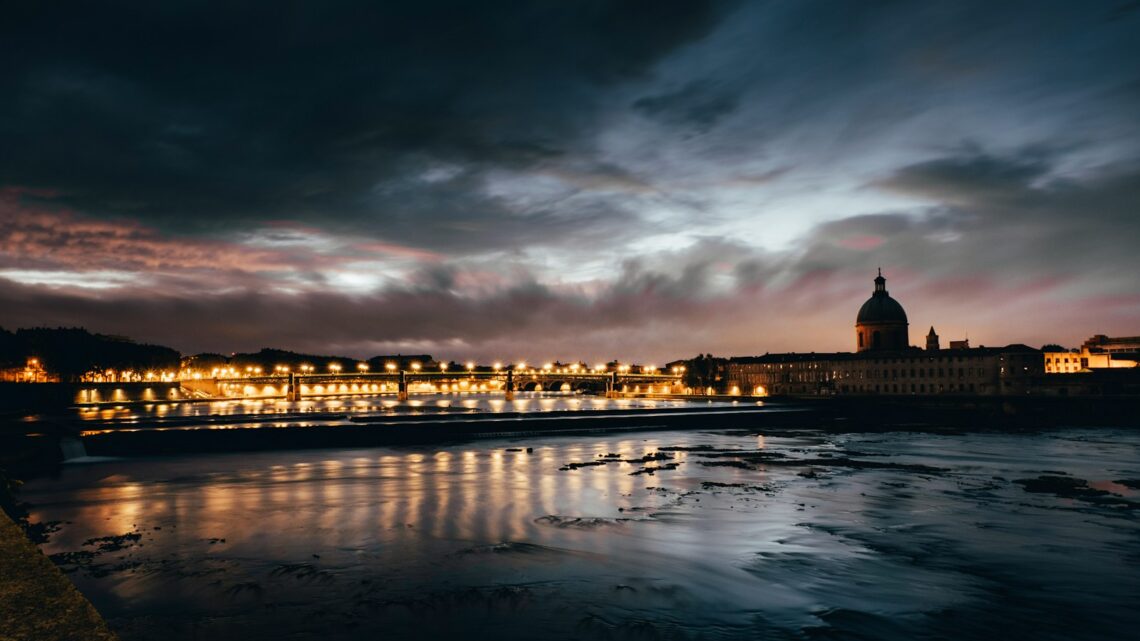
[474, 540]
[457, 403]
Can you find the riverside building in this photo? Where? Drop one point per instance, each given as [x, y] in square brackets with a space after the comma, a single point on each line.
[885, 363]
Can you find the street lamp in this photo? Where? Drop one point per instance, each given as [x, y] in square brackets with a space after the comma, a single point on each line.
[391, 367]
[470, 366]
[362, 367]
[497, 366]
[334, 368]
[416, 366]
[443, 367]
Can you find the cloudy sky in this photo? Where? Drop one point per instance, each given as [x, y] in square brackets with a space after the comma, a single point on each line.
[588, 179]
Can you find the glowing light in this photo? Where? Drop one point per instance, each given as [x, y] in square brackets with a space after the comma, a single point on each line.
[362, 367]
[416, 366]
[391, 367]
[470, 366]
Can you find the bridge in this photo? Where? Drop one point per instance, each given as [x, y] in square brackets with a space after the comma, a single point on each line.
[295, 386]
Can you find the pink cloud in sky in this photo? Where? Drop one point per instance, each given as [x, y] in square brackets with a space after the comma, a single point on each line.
[861, 242]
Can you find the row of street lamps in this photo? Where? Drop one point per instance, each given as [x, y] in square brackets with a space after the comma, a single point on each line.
[337, 368]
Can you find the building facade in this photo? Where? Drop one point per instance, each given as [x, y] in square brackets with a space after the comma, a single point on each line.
[1098, 352]
[980, 371]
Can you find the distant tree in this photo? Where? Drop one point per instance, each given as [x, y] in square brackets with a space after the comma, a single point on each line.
[73, 351]
[705, 370]
[268, 358]
[1053, 347]
[11, 354]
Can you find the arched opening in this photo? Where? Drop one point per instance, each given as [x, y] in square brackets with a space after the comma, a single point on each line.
[876, 340]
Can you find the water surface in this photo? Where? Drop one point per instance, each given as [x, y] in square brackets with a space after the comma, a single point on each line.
[744, 536]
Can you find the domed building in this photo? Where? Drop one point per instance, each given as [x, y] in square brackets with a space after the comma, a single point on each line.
[885, 363]
[881, 323]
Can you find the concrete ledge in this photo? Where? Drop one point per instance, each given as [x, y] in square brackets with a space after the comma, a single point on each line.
[37, 602]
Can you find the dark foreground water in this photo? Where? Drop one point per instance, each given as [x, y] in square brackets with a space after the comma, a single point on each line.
[796, 536]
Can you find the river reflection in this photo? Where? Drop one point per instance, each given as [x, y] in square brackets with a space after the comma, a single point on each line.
[454, 403]
[775, 536]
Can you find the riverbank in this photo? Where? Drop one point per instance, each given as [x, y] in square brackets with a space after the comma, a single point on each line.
[37, 602]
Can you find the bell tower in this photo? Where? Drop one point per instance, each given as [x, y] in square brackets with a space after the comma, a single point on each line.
[932, 341]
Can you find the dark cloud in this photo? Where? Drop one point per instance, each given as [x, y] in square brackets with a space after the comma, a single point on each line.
[697, 104]
[193, 117]
[973, 176]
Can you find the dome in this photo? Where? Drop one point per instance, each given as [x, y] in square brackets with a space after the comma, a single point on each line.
[881, 308]
[881, 324]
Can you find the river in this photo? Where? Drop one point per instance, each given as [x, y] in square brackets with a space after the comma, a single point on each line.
[712, 534]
